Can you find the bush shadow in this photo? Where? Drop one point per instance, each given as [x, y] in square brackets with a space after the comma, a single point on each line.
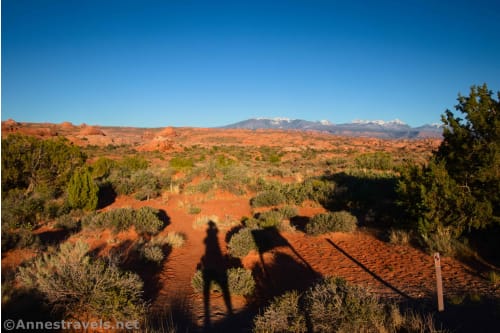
[372, 199]
[300, 222]
[107, 195]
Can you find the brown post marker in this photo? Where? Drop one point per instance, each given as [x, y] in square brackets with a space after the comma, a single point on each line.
[439, 281]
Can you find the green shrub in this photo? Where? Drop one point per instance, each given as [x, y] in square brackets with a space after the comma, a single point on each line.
[179, 163]
[193, 210]
[32, 164]
[377, 161]
[130, 164]
[288, 212]
[270, 219]
[241, 243]
[145, 220]
[102, 167]
[333, 305]
[239, 282]
[342, 221]
[203, 187]
[267, 198]
[74, 283]
[145, 184]
[67, 222]
[20, 210]
[83, 192]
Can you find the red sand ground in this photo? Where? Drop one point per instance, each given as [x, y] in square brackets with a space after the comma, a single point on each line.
[389, 270]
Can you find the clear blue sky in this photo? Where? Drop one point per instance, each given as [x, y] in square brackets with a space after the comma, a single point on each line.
[210, 63]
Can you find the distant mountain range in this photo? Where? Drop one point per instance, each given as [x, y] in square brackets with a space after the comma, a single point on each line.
[395, 129]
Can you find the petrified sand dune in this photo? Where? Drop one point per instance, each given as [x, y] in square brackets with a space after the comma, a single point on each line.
[67, 125]
[91, 130]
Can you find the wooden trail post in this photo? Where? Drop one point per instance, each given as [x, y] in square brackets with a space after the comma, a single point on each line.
[439, 281]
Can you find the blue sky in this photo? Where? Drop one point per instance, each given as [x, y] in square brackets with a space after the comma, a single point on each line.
[210, 63]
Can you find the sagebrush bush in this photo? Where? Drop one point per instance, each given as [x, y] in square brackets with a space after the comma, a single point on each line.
[270, 219]
[239, 282]
[145, 220]
[241, 243]
[342, 221]
[333, 305]
[267, 198]
[153, 253]
[20, 239]
[67, 222]
[74, 283]
[172, 239]
[288, 211]
[282, 315]
[20, 210]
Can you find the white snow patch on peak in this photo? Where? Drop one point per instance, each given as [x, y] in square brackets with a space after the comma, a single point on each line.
[379, 122]
[325, 122]
[275, 119]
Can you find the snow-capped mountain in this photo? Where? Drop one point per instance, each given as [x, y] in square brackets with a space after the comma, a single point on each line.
[368, 128]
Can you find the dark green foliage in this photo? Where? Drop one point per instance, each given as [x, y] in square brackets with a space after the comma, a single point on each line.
[241, 243]
[239, 282]
[459, 188]
[179, 163]
[133, 163]
[268, 198]
[102, 167]
[471, 152]
[20, 210]
[145, 220]
[74, 283]
[331, 222]
[83, 192]
[376, 161]
[31, 164]
[370, 196]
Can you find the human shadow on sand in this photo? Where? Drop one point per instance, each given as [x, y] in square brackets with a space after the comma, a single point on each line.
[213, 266]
